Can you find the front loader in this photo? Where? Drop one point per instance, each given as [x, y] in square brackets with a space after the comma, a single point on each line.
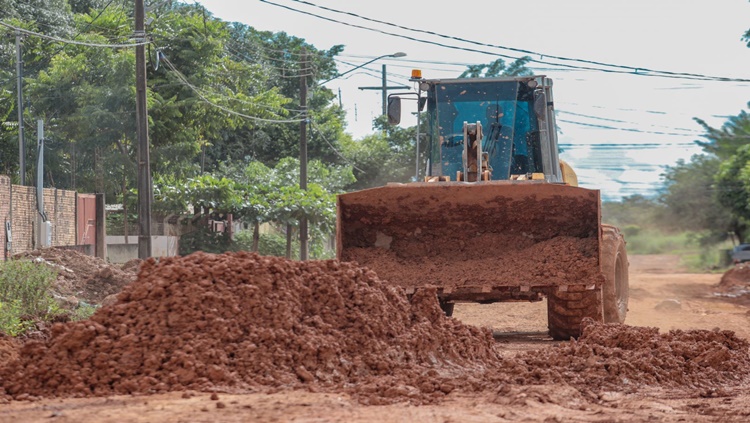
[498, 216]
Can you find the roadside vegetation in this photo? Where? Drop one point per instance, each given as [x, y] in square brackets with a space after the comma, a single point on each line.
[26, 298]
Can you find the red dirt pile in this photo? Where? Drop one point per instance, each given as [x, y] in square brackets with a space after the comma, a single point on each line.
[488, 259]
[240, 321]
[617, 357]
[736, 278]
[243, 321]
[84, 277]
[9, 347]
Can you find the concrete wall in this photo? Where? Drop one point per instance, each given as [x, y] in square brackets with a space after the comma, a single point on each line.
[18, 203]
[119, 252]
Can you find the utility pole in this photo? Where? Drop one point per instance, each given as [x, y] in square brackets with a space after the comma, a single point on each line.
[144, 163]
[384, 90]
[21, 144]
[303, 151]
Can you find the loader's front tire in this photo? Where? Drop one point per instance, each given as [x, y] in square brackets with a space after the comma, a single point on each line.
[566, 310]
[615, 269]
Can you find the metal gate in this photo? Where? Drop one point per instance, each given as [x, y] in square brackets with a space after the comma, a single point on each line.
[86, 219]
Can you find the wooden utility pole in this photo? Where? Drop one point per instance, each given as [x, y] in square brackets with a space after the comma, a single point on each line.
[19, 84]
[303, 151]
[383, 88]
[144, 164]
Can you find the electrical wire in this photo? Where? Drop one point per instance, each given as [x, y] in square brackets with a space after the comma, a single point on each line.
[617, 68]
[62, 40]
[182, 78]
[640, 131]
[338, 153]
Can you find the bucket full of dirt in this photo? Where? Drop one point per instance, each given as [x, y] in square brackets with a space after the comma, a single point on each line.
[484, 235]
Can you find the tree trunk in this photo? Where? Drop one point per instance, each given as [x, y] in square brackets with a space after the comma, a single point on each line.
[289, 241]
[256, 236]
[73, 166]
[98, 170]
[125, 203]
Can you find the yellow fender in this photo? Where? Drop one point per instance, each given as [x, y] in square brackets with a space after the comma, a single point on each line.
[568, 174]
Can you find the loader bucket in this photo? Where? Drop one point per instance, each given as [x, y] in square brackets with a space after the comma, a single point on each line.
[486, 242]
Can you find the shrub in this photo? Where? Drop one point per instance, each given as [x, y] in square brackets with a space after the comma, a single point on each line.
[11, 322]
[28, 284]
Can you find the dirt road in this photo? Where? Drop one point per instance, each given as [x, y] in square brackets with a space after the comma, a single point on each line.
[661, 295]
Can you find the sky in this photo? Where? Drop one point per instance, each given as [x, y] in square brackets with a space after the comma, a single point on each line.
[617, 130]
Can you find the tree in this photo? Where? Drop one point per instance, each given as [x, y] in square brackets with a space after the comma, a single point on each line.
[724, 142]
[386, 155]
[693, 202]
[278, 60]
[89, 102]
[498, 68]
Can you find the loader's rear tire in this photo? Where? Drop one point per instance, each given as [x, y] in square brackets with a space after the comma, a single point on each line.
[447, 308]
[615, 270]
[566, 310]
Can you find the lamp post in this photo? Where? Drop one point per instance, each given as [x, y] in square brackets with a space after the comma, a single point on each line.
[397, 54]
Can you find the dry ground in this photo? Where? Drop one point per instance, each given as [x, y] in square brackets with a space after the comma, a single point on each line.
[661, 295]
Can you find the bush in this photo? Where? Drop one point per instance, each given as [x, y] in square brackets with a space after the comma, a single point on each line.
[24, 295]
[205, 240]
[83, 311]
[275, 245]
[10, 318]
[631, 230]
[28, 283]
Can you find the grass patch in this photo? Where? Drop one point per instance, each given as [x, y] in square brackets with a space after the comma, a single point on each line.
[25, 295]
[83, 311]
[694, 256]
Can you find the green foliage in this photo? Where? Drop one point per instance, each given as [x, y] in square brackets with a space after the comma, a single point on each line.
[11, 321]
[693, 201]
[203, 239]
[658, 242]
[275, 245]
[217, 94]
[24, 295]
[733, 178]
[652, 227]
[83, 311]
[633, 210]
[498, 68]
[384, 156]
[28, 283]
[631, 230]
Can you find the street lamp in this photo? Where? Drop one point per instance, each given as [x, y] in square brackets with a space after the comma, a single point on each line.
[397, 54]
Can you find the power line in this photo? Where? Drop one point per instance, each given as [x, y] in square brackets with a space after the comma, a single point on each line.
[62, 40]
[640, 131]
[338, 153]
[182, 78]
[624, 69]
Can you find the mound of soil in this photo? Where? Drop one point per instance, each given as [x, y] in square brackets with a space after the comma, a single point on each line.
[9, 347]
[736, 278]
[86, 278]
[489, 259]
[242, 321]
[621, 357]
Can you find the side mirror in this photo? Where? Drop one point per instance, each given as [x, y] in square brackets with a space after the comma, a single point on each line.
[422, 102]
[394, 110]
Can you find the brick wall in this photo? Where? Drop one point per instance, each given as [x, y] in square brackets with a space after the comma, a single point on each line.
[24, 216]
[4, 207]
[60, 206]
